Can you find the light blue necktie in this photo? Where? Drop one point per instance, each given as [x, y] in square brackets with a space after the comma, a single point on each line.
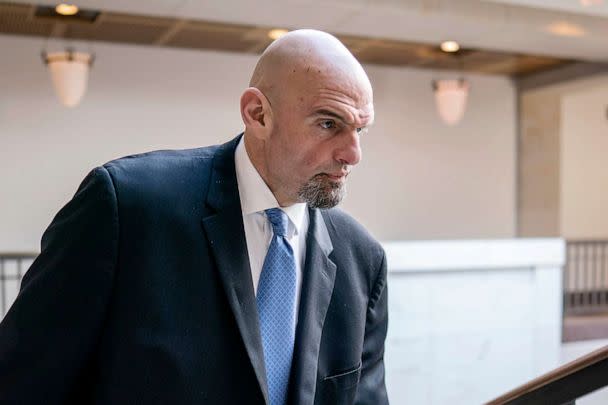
[276, 300]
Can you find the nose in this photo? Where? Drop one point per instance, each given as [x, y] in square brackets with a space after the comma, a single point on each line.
[349, 151]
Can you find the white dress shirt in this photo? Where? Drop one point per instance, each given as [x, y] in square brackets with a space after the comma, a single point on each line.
[255, 198]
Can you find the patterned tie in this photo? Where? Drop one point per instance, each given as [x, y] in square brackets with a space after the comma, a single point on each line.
[276, 300]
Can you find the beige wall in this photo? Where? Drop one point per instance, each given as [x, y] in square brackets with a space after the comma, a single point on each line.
[563, 169]
[418, 179]
[539, 163]
[584, 163]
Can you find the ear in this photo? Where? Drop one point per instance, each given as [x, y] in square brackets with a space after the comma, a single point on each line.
[256, 112]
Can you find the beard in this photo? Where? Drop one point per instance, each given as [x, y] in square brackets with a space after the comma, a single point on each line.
[321, 192]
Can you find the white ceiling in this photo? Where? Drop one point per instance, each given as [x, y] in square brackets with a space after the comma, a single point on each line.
[504, 25]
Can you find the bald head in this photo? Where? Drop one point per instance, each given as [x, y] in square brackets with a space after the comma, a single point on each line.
[303, 58]
[308, 103]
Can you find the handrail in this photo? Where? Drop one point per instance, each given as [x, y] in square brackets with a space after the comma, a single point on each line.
[564, 384]
[586, 240]
[18, 255]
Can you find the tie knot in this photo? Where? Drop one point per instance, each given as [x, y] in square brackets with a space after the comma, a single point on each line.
[278, 219]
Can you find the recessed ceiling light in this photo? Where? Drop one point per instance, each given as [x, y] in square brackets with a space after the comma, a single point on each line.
[450, 46]
[66, 9]
[277, 33]
[565, 29]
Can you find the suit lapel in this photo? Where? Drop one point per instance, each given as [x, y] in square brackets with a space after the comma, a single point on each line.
[317, 287]
[226, 236]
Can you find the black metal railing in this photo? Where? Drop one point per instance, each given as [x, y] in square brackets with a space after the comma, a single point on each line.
[12, 268]
[586, 277]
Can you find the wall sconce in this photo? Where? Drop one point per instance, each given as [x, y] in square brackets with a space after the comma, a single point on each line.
[451, 99]
[69, 73]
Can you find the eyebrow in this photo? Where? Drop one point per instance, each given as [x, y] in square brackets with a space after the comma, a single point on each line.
[329, 113]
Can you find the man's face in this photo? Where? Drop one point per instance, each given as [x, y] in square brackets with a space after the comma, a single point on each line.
[315, 138]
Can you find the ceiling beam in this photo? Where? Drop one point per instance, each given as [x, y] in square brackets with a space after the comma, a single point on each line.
[170, 33]
[572, 71]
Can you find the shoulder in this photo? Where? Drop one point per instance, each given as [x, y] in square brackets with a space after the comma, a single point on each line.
[163, 163]
[162, 181]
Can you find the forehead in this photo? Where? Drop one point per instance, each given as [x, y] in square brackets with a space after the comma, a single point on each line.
[352, 109]
[349, 97]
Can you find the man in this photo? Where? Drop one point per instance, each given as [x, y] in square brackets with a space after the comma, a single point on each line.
[219, 275]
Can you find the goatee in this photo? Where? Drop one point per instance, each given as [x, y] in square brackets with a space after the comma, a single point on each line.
[322, 192]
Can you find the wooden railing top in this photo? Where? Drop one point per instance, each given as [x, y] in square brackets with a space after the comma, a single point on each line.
[553, 376]
[585, 241]
[18, 255]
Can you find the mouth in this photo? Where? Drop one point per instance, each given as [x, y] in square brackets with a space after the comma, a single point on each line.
[337, 177]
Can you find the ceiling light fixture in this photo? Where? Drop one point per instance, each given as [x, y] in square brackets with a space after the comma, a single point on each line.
[69, 73]
[451, 99]
[450, 46]
[566, 29]
[66, 9]
[277, 33]
[588, 3]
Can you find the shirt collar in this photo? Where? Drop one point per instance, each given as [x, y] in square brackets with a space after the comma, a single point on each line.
[254, 193]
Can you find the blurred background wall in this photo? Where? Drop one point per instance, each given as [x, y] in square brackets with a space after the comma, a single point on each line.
[418, 179]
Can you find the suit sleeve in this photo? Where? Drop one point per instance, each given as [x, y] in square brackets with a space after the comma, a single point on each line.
[372, 389]
[52, 328]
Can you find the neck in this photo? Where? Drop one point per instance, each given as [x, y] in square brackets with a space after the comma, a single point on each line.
[255, 150]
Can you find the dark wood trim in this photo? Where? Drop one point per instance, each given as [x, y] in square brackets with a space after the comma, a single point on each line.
[562, 385]
[568, 72]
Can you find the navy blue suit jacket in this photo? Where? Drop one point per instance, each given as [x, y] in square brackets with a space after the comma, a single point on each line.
[142, 294]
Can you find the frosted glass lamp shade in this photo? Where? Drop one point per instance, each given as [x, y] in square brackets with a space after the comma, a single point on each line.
[70, 74]
[451, 99]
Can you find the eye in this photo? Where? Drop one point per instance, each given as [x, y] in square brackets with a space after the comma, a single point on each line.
[327, 124]
[359, 130]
